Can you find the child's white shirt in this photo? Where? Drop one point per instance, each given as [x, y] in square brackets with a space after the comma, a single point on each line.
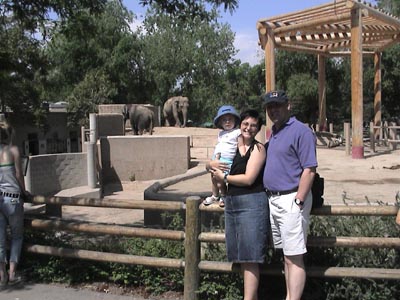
[227, 143]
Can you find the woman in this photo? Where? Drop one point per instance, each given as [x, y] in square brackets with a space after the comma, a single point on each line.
[246, 207]
[12, 188]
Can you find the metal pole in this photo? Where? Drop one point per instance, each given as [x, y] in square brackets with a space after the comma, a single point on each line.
[91, 152]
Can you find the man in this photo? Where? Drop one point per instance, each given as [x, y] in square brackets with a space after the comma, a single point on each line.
[288, 176]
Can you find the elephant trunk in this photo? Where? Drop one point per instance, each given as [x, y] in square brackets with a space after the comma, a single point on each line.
[184, 116]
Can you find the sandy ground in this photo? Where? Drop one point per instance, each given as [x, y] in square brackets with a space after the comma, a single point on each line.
[372, 180]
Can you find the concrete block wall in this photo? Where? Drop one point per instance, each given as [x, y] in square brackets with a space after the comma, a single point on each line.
[49, 174]
[130, 158]
[110, 124]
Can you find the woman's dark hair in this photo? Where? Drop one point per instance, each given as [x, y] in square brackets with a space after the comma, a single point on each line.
[5, 132]
[252, 113]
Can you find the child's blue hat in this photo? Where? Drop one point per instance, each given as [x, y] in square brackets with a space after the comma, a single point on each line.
[225, 110]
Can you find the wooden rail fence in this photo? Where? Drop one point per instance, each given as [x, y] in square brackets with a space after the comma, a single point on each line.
[192, 237]
[387, 134]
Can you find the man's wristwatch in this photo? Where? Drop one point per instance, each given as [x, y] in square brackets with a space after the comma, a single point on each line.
[226, 178]
[298, 202]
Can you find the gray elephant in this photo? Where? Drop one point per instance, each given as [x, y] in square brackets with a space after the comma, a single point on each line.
[141, 118]
[174, 108]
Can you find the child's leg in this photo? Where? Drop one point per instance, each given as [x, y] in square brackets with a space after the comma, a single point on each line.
[215, 187]
[215, 193]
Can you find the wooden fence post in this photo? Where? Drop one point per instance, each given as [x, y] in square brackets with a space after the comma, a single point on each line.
[372, 136]
[347, 137]
[192, 249]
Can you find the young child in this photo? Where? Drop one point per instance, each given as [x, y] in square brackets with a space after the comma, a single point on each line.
[229, 140]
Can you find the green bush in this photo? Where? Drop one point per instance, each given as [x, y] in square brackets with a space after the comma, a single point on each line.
[228, 286]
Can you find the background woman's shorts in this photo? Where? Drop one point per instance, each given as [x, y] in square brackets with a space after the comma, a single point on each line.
[246, 227]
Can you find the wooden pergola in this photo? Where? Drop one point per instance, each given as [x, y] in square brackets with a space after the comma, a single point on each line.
[340, 28]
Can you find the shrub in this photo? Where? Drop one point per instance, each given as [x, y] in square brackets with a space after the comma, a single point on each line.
[228, 286]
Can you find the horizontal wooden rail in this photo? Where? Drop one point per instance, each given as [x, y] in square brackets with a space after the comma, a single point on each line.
[370, 273]
[315, 241]
[97, 228]
[192, 237]
[114, 203]
[107, 257]
[336, 210]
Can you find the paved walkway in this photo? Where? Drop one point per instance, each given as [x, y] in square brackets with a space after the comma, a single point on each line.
[30, 291]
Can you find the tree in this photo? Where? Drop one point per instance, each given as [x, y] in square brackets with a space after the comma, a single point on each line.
[187, 58]
[302, 89]
[33, 15]
[99, 53]
[191, 7]
[22, 64]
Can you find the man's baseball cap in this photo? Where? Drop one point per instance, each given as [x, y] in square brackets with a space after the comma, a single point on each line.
[275, 96]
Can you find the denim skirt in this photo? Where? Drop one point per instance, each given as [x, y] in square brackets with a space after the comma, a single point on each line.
[246, 227]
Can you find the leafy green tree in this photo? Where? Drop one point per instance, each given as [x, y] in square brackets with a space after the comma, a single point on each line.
[392, 6]
[302, 89]
[21, 64]
[187, 58]
[89, 48]
[94, 89]
[34, 15]
[193, 7]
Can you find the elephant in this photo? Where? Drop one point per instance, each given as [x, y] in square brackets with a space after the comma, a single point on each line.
[173, 108]
[141, 118]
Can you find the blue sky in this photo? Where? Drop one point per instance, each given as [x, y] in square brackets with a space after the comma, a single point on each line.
[243, 21]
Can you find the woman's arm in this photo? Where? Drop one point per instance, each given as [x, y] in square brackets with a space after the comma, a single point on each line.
[254, 165]
[216, 164]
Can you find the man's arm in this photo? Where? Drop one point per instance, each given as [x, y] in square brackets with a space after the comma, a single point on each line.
[306, 181]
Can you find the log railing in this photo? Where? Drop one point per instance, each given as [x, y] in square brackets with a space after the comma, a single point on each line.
[388, 134]
[193, 237]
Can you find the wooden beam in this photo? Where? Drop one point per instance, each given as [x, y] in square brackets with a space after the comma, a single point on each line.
[395, 40]
[301, 49]
[376, 14]
[322, 121]
[377, 93]
[356, 84]
[348, 53]
[312, 23]
[269, 75]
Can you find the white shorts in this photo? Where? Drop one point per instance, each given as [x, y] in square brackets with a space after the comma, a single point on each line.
[289, 223]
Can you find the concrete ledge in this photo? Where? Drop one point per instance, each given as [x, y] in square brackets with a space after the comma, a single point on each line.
[152, 192]
[80, 192]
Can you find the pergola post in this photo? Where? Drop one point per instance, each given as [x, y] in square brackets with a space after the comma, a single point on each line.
[322, 121]
[269, 74]
[356, 84]
[377, 94]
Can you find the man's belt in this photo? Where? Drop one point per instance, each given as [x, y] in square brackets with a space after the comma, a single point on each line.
[281, 193]
[11, 195]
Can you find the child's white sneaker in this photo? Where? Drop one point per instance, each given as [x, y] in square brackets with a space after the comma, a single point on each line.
[210, 200]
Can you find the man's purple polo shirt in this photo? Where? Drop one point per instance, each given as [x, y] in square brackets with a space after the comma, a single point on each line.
[290, 151]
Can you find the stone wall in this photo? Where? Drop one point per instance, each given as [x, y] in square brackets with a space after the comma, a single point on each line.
[110, 124]
[130, 158]
[49, 174]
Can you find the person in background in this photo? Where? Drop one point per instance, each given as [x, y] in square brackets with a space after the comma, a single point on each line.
[12, 189]
[288, 176]
[229, 140]
[246, 207]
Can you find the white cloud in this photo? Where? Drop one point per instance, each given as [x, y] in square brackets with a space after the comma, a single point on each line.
[249, 50]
